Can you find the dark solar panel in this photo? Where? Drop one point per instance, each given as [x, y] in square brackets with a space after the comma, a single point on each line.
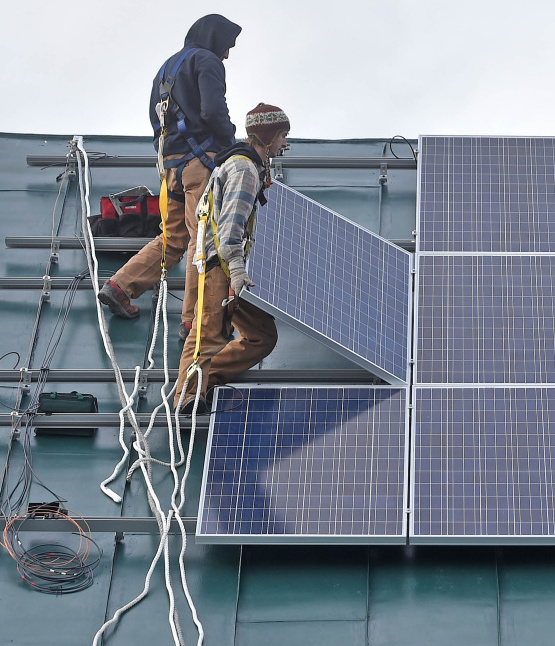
[483, 464]
[306, 464]
[487, 194]
[486, 319]
[334, 280]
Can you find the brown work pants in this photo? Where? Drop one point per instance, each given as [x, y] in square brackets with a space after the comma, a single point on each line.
[219, 360]
[142, 271]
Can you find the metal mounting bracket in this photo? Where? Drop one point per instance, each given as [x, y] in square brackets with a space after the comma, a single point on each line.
[143, 383]
[46, 287]
[278, 170]
[383, 174]
[25, 381]
[54, 252]
[15, 418]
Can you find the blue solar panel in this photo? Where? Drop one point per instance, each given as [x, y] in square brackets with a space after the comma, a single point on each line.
[483, 464]
[305, 464]
[486, 319]
[334, 280]
[487, 194]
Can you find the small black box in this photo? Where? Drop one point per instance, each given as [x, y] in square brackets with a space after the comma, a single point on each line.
[72, 402]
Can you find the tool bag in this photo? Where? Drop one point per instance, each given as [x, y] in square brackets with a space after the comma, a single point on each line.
[72, 402]
[134, 213]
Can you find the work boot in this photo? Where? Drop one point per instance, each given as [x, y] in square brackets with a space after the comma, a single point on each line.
[189, 403]
[184, 329]
[117, 300]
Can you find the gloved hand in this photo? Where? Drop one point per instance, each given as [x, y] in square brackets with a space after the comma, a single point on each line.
[238, 275]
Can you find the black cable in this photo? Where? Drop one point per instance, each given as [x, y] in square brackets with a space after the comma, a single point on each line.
[406, 141]
[51, 568]
[227, 410]
[8, 354]
[13, 500]
[174, 296]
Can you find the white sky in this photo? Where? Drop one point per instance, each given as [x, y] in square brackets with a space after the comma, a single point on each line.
[353, 68]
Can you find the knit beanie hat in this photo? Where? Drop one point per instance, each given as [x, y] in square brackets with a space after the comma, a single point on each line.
[265, 122]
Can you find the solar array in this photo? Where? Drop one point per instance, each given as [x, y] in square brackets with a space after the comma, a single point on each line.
[484, 379]
[334, 280]
[312, 464]
[329, 464]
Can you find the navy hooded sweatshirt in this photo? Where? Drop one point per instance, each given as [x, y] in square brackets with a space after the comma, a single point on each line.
[199, 88]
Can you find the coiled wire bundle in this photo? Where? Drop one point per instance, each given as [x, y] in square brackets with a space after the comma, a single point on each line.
[52, 568]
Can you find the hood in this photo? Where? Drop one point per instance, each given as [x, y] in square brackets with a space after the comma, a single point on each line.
[213, 32]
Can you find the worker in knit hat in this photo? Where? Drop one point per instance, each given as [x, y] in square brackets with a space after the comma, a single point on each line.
[264, 124]
[236, 188]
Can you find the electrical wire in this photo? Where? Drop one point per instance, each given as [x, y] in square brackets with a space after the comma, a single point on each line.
[48, 568]
[405, 140]
[8, 354]
[51, 568]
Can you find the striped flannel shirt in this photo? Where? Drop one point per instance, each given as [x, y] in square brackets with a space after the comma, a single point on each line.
[236, 184]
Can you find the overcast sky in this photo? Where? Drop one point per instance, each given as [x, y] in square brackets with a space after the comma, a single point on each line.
[343, 69]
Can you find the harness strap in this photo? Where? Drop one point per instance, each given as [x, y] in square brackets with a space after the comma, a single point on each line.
[206, 206]
[163, 201]
[167, 103]
[205, 213]
[199, 152]
[166, 84]
[206, 210]
[177, 197]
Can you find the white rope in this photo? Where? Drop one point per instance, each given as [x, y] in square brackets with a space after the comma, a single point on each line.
[145, 460]
[131, 399]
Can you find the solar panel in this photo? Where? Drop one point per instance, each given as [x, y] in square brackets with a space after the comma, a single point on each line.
[483, 463]
[305, 464]
[486, 319]
[486, 194]
[334, 280]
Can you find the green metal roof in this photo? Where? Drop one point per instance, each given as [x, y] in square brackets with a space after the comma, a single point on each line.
[250, 595]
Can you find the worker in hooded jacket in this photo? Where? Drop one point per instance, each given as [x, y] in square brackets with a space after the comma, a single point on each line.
[237, 186]
[199, 92]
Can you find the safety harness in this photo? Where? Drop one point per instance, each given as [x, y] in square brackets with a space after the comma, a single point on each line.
[206, 215]
[168, 105]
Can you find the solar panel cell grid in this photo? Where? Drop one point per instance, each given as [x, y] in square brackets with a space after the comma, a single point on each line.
[486, 319]
[483, 463]
[343, 284]
[308, 463]
[489, 194]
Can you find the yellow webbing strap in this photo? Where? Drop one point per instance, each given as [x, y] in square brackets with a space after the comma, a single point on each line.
[163, 199]
[205, 209]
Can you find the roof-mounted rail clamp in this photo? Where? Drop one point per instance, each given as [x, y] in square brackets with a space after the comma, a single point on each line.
[54, 251]
[25, 383]
[46, 287]
[278, 170]
[143, 383]
[383, 174]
